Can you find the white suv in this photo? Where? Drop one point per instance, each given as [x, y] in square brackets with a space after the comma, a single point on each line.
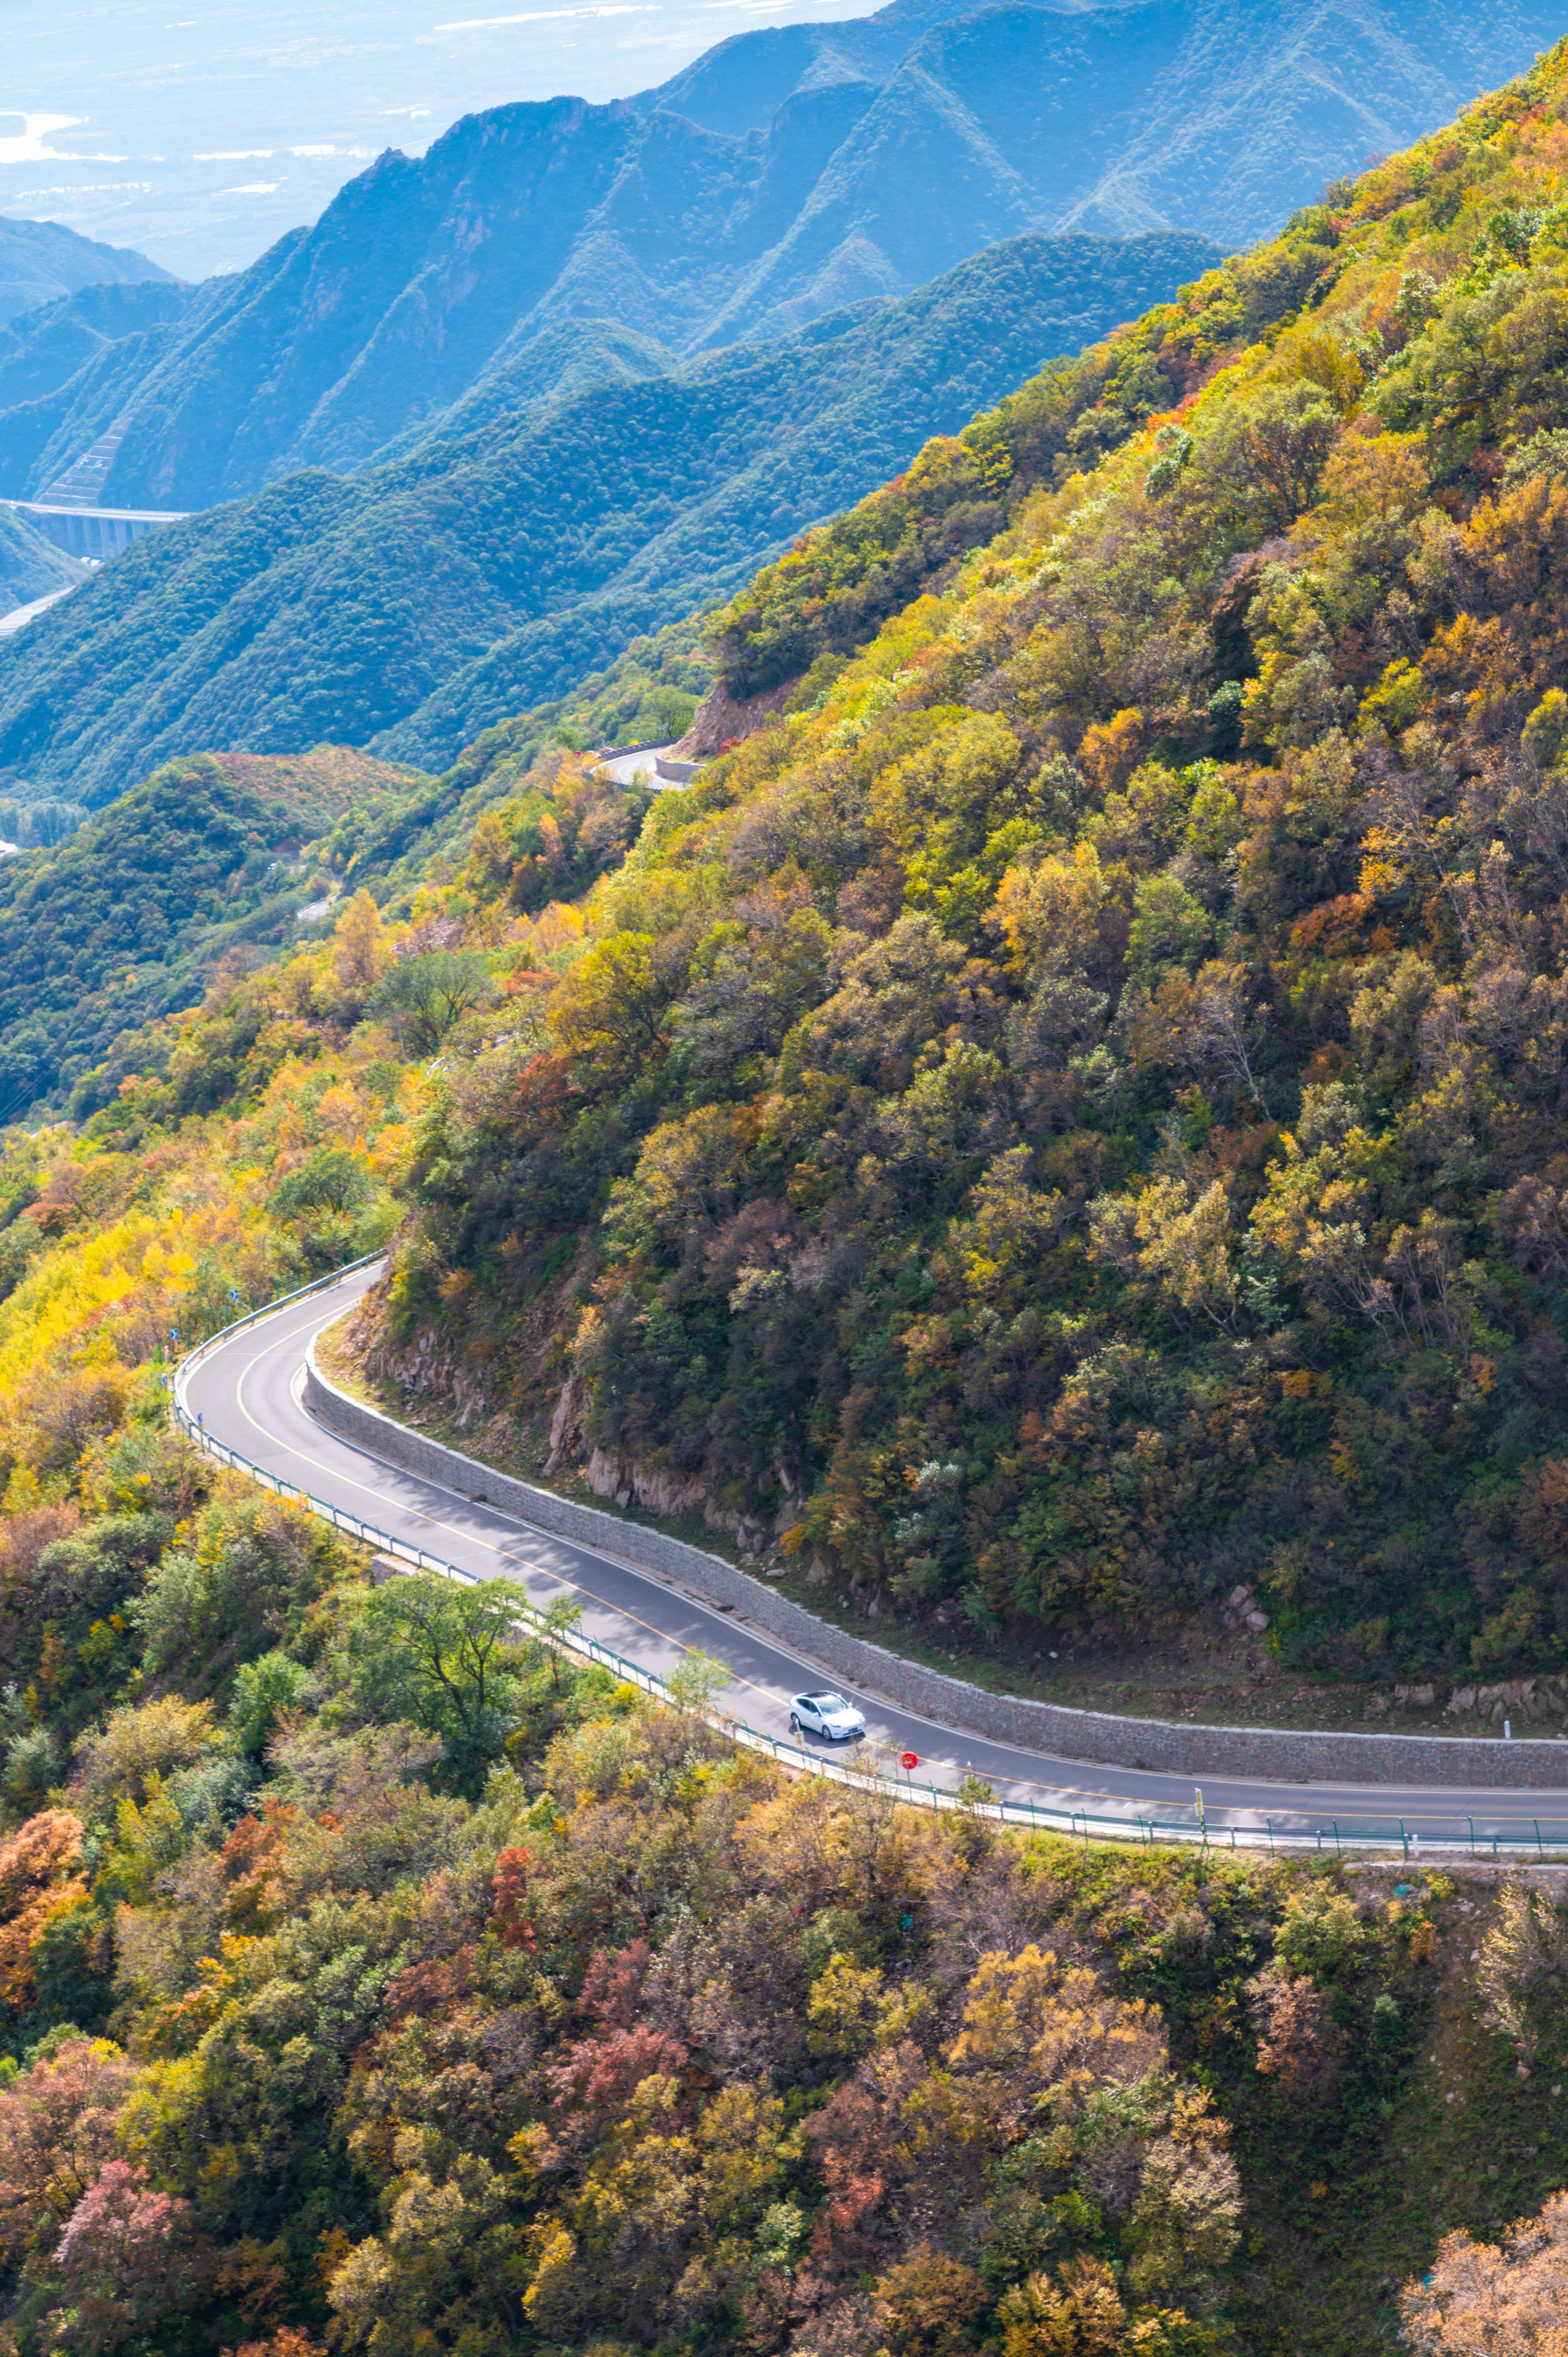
[826, 1714]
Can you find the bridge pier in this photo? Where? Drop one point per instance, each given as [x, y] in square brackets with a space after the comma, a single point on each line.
[95, 532]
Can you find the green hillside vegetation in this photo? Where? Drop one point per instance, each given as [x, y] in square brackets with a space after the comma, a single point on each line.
[374, 1978]
[551, 365]
[41, 261]
[31, 566]
[398, 845]
[1069, 1121]
[409, 608]
[126, 920]
[42, 349]
[38, 826]
[828, 593]
[69, 368]
[210, 862]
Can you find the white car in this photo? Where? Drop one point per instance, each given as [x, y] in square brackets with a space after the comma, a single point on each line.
[826, 1714]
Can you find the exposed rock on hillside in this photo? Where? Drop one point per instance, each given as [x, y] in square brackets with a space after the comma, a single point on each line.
[722, 720]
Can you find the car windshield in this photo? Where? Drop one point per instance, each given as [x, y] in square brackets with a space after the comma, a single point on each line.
[828, 1702]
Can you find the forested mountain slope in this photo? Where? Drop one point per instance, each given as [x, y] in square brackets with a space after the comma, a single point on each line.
[42, 260]
[379, 1979]
[219, 864]
[1070, 1119]
[410, 607]
[128, 919]
[792, 171]
[44, 348]
[30, 566]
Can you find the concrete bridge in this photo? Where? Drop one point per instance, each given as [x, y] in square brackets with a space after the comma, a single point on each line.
[95, 532]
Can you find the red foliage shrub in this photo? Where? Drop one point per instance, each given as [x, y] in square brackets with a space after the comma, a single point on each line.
[613, 1984]
[509, 1887]
[57, 2129]
[600, 2073]
[128, 2256]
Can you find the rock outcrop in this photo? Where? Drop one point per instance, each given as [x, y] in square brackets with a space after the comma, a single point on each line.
[720, 720]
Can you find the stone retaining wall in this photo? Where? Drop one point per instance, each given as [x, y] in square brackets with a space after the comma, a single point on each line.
[1276, 1754]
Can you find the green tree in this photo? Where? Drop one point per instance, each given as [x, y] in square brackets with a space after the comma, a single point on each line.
[695, 1680]
[422, 997]
[264, 1690]
[1170, 928]
[443, 1656]
[612, 1009]
[330, 1180]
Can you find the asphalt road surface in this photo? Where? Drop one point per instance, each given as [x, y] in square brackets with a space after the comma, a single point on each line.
[247, 1393]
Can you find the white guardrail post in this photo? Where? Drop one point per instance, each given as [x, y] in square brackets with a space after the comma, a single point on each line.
[790, 1757]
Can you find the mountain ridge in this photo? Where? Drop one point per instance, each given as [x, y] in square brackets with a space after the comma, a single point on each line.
[42, 260]
[760, 187]
[409, 608]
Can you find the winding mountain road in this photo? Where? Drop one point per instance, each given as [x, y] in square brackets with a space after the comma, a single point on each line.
[246, 1392]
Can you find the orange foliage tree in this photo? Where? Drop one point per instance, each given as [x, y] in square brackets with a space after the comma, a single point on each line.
[38, 1880]
[1487, 2300]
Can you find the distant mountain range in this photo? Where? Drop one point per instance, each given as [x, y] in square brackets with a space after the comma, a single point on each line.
[789, 172]
[409, 607]
[41, 260]
[1216, 115]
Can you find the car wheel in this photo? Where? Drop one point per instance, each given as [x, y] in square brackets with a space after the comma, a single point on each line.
[794, 1724]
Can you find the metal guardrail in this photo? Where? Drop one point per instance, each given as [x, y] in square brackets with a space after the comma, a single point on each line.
[1181, 1826]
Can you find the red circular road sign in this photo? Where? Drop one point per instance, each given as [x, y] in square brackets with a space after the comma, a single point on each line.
[909, 1759]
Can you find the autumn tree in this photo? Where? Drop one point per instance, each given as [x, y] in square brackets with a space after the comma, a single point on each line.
[613, 1009]
[1079, 2312]
[362, 952]
[129, 2256]
[1524, 1951]
[932, 2304]
[39, 1878]
[1298, 2041]
[57, 2131]
[1495, 2300]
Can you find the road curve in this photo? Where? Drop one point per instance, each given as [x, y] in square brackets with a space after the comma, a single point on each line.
[246, 1392]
